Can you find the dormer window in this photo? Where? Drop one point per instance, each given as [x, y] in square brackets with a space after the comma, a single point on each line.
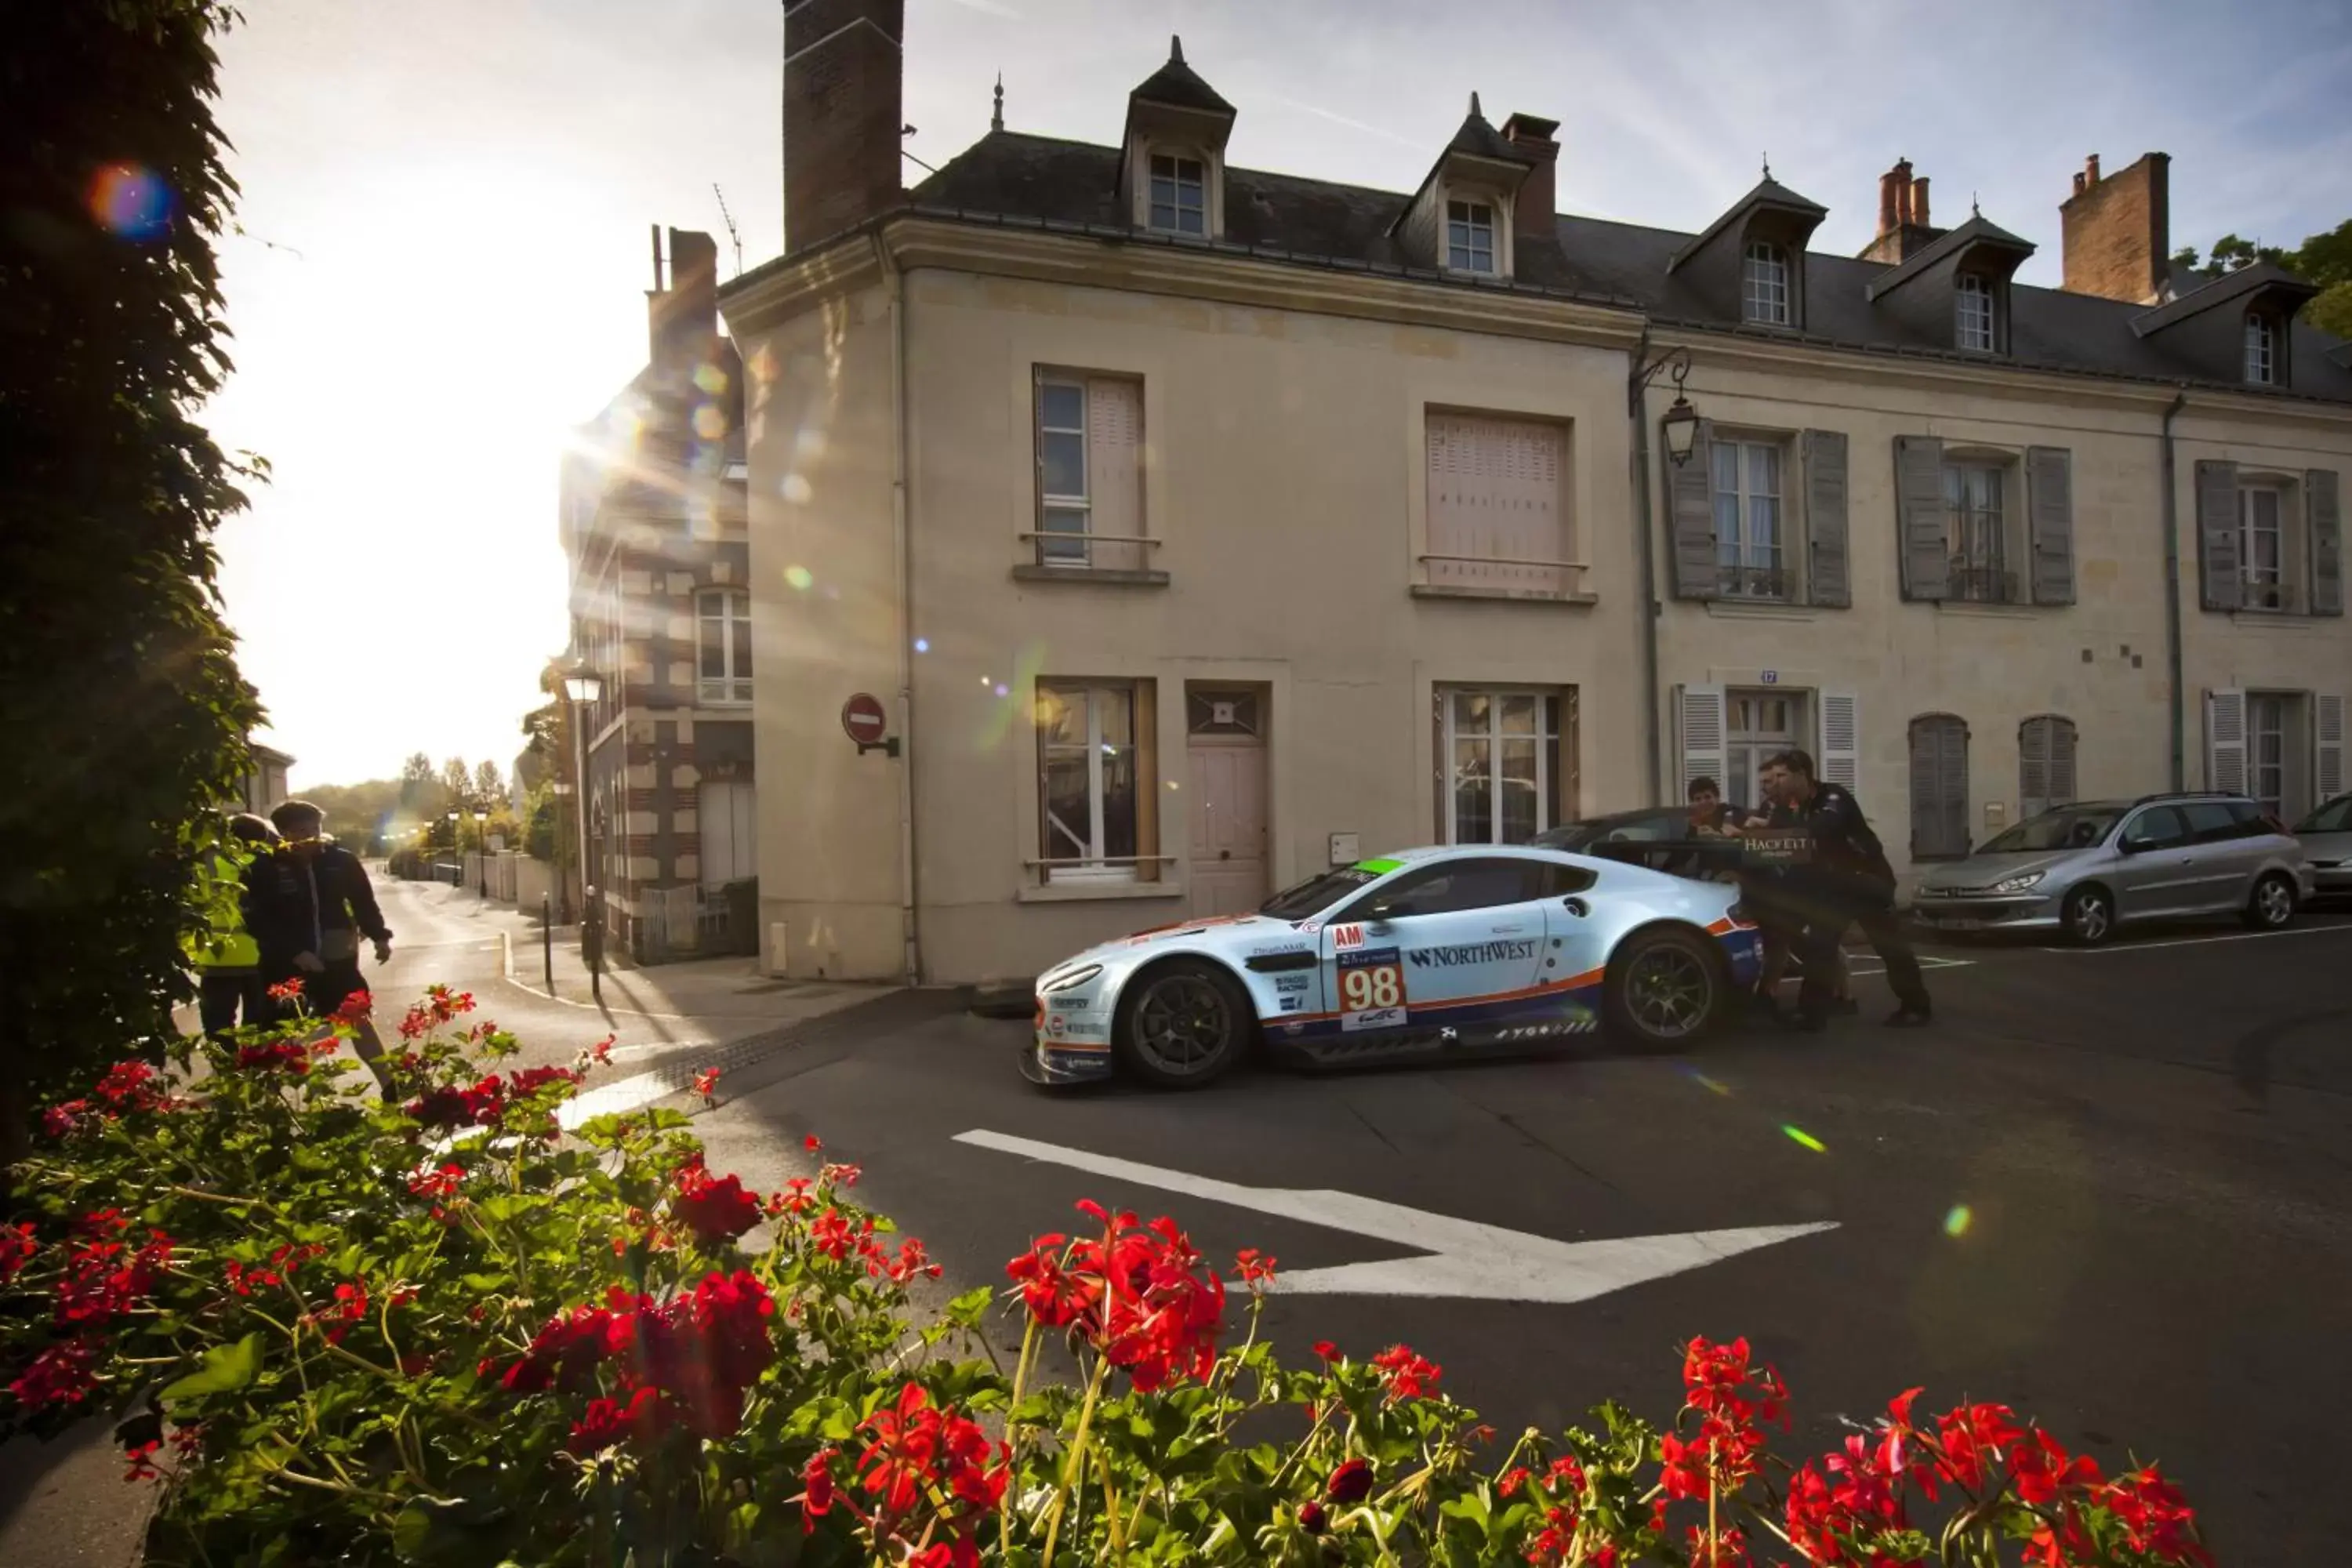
[1972, 323]
[2262, 350]
[1470, 236]
[1764, 285]
[1179, 194]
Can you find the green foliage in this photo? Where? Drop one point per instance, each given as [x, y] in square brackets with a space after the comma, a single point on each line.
[360, 814]
[542, 836]
[119, 691]
[431, 1329]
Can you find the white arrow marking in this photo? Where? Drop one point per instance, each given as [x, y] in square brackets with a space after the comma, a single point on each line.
[1463, 1258]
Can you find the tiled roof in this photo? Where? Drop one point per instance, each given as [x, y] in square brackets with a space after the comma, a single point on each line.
[1035, 180]
[1179, 86]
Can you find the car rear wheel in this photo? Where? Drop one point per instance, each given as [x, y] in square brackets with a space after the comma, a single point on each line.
[2273, 904]
[1664, 987]
[2089, 915]
[1183, 1024]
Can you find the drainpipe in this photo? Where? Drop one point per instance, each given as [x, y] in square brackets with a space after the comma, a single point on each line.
[1636, 407]
[894, 285]
[2172, 593]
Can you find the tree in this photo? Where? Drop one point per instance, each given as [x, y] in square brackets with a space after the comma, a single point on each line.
[417, 779]
[456, 781]
[488, 788]
[359, 813]
[2322, 259]
[120, 694]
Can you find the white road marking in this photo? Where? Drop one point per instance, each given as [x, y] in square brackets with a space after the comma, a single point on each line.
[617, 1097]
[1464, 1258]
[2201, 941]
[1926, 960]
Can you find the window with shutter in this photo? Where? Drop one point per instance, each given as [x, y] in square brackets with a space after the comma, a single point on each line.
[1700, 722]
[2045, 765]
[2049, 519]
[1825, 519]
[2218, 561]
[1841, 739]
[1506, 768]
[2325, 508]
[1939, 786]
[2327, 744]
[1690, 516]
[1498, 506]
[1089, 471]
[725, 820]
[2225, 742]
[1920, 517]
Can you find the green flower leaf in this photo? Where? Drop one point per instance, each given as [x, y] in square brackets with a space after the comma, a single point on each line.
[225, 1369]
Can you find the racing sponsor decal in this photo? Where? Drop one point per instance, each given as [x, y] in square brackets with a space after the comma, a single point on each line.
[1467, 952]
[1371, 989]
[1346, 937]
[1377, 867]
[1056, 1026]
[1308, 927]
[1278, 949]
[1293, 985]
[1292, 1004]
[1548, 1029]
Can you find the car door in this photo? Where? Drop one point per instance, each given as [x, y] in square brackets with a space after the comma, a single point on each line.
[1576, 941]
[1444, 944]
[2154, 874]
[2226, 840]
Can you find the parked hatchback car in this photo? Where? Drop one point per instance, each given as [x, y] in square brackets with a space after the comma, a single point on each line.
[2326, 838]
[2087, 868]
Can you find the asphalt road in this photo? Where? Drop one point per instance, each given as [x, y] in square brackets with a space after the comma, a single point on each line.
[2111, 1188]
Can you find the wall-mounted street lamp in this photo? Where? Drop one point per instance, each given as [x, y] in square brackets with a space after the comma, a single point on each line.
[482, 851]
[1680, 426]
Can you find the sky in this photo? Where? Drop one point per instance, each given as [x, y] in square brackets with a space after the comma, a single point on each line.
[444, 246]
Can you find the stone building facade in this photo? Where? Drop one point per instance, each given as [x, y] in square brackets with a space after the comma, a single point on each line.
[653, 526]
[1198, 526]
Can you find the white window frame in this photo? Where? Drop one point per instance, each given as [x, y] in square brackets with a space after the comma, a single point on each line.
[1051, 549]
[2262, 350]
[1973, 312]
[1746, 748]
[1186, 179]
[732, 687]
[2267, 781]
[2278, 577]
[1741, 556]
[1764, 284]
[1470, 234]
[1968, 527]
[1550, 703]
[1093, 864]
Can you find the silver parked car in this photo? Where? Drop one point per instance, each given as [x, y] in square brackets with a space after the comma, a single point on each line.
[2326, 838]
[2087, 868]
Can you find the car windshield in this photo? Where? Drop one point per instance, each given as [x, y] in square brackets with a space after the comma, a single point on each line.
[2336, 816]
[2068, 827]
[1317, 893]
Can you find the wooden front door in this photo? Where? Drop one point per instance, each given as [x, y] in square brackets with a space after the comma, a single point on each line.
[1225, 798]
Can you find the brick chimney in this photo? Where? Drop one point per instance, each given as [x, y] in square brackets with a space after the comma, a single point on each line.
[1901, 216]
[682, 307]
[1534, 215]
[2118, 230]
[841, 105]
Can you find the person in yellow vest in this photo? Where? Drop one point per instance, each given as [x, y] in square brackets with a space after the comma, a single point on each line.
[228, 966]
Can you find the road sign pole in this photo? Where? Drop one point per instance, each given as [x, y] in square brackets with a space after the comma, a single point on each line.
[547, 940]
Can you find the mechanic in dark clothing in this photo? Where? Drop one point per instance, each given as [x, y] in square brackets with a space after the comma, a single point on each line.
[310, 904]
[1846, 882]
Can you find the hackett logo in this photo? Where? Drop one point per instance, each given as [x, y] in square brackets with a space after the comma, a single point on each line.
[1473, 952]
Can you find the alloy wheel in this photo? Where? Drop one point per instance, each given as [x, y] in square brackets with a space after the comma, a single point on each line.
[1668, 991]
[1183, 1023]
[2274, 901]
[2091, 917]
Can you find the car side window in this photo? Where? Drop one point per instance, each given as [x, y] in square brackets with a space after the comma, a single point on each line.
[2334, 818]
[1549, 879]
[2212, 822]
[1447, 888]
[2157, 828]
[2253, 822]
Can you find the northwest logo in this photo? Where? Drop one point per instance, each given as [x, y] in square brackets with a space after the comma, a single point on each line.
[1473, 952]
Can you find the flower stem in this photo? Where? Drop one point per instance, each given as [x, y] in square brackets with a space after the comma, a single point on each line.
[1072, 1469]
[1011, 1445]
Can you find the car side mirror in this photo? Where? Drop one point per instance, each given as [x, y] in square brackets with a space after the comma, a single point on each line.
[2134, 846]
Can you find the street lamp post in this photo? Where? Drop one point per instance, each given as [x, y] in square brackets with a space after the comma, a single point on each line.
[583, 686]
[482, 851]
[456, 847]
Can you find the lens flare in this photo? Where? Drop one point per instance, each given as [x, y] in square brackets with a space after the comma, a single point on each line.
[923, 645]
[131, 202]
[1003, 690]
[1804, 1139]
[711, 378]
[796, 489]
[800, 577]
[1956, 1223]
[1711, 1085]
[709, 422]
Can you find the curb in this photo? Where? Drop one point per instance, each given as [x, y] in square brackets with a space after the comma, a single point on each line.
[1001, 997]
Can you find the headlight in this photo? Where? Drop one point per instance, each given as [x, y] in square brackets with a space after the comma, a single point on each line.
[2018, 884]
[1075, 977]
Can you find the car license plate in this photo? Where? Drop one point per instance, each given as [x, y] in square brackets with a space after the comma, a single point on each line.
[1955, 922]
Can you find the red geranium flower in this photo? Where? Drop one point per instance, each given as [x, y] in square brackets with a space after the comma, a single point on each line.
[530, 1080]
[705, 1083]
[917, 1448]
[131, 1086]
[1408, 1375]
[59, 1374]
[1256, 1268]
[60, 1120]
[287, 990]
[2155, 1517]
[1311, 1517]
[355, 1009]
[142, 1456]
[644, 1420]
[715, 1209]
[17, 1249]
[284, 1054]
[1351, 1483]
[1327, 1349]
[819, 1493]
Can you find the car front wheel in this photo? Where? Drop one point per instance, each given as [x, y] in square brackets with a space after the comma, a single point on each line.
[1665, 988]
[2089, 916]
[2273, 904]
[1183, 1024]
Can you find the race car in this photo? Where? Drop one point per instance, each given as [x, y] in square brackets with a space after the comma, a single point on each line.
[1420, 953]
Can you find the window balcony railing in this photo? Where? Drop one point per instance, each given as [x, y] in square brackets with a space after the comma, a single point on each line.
[2279, 598]
[1738, 582]
[1974, 583]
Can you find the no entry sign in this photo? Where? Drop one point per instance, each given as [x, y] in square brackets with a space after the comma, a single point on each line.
[863, 718]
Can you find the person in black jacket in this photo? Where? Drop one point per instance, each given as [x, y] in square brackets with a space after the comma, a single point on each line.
[1846, 881]
[310, 905]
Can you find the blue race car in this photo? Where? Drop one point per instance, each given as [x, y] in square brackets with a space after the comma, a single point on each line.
[1420, 953]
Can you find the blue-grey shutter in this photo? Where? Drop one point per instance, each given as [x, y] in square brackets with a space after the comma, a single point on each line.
[2049, 515]
[2218, 572]
[1825, 507]
[2327, 514]
[1939, 786]
[1690, 517]
[2033, 769]
[1921, 521]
